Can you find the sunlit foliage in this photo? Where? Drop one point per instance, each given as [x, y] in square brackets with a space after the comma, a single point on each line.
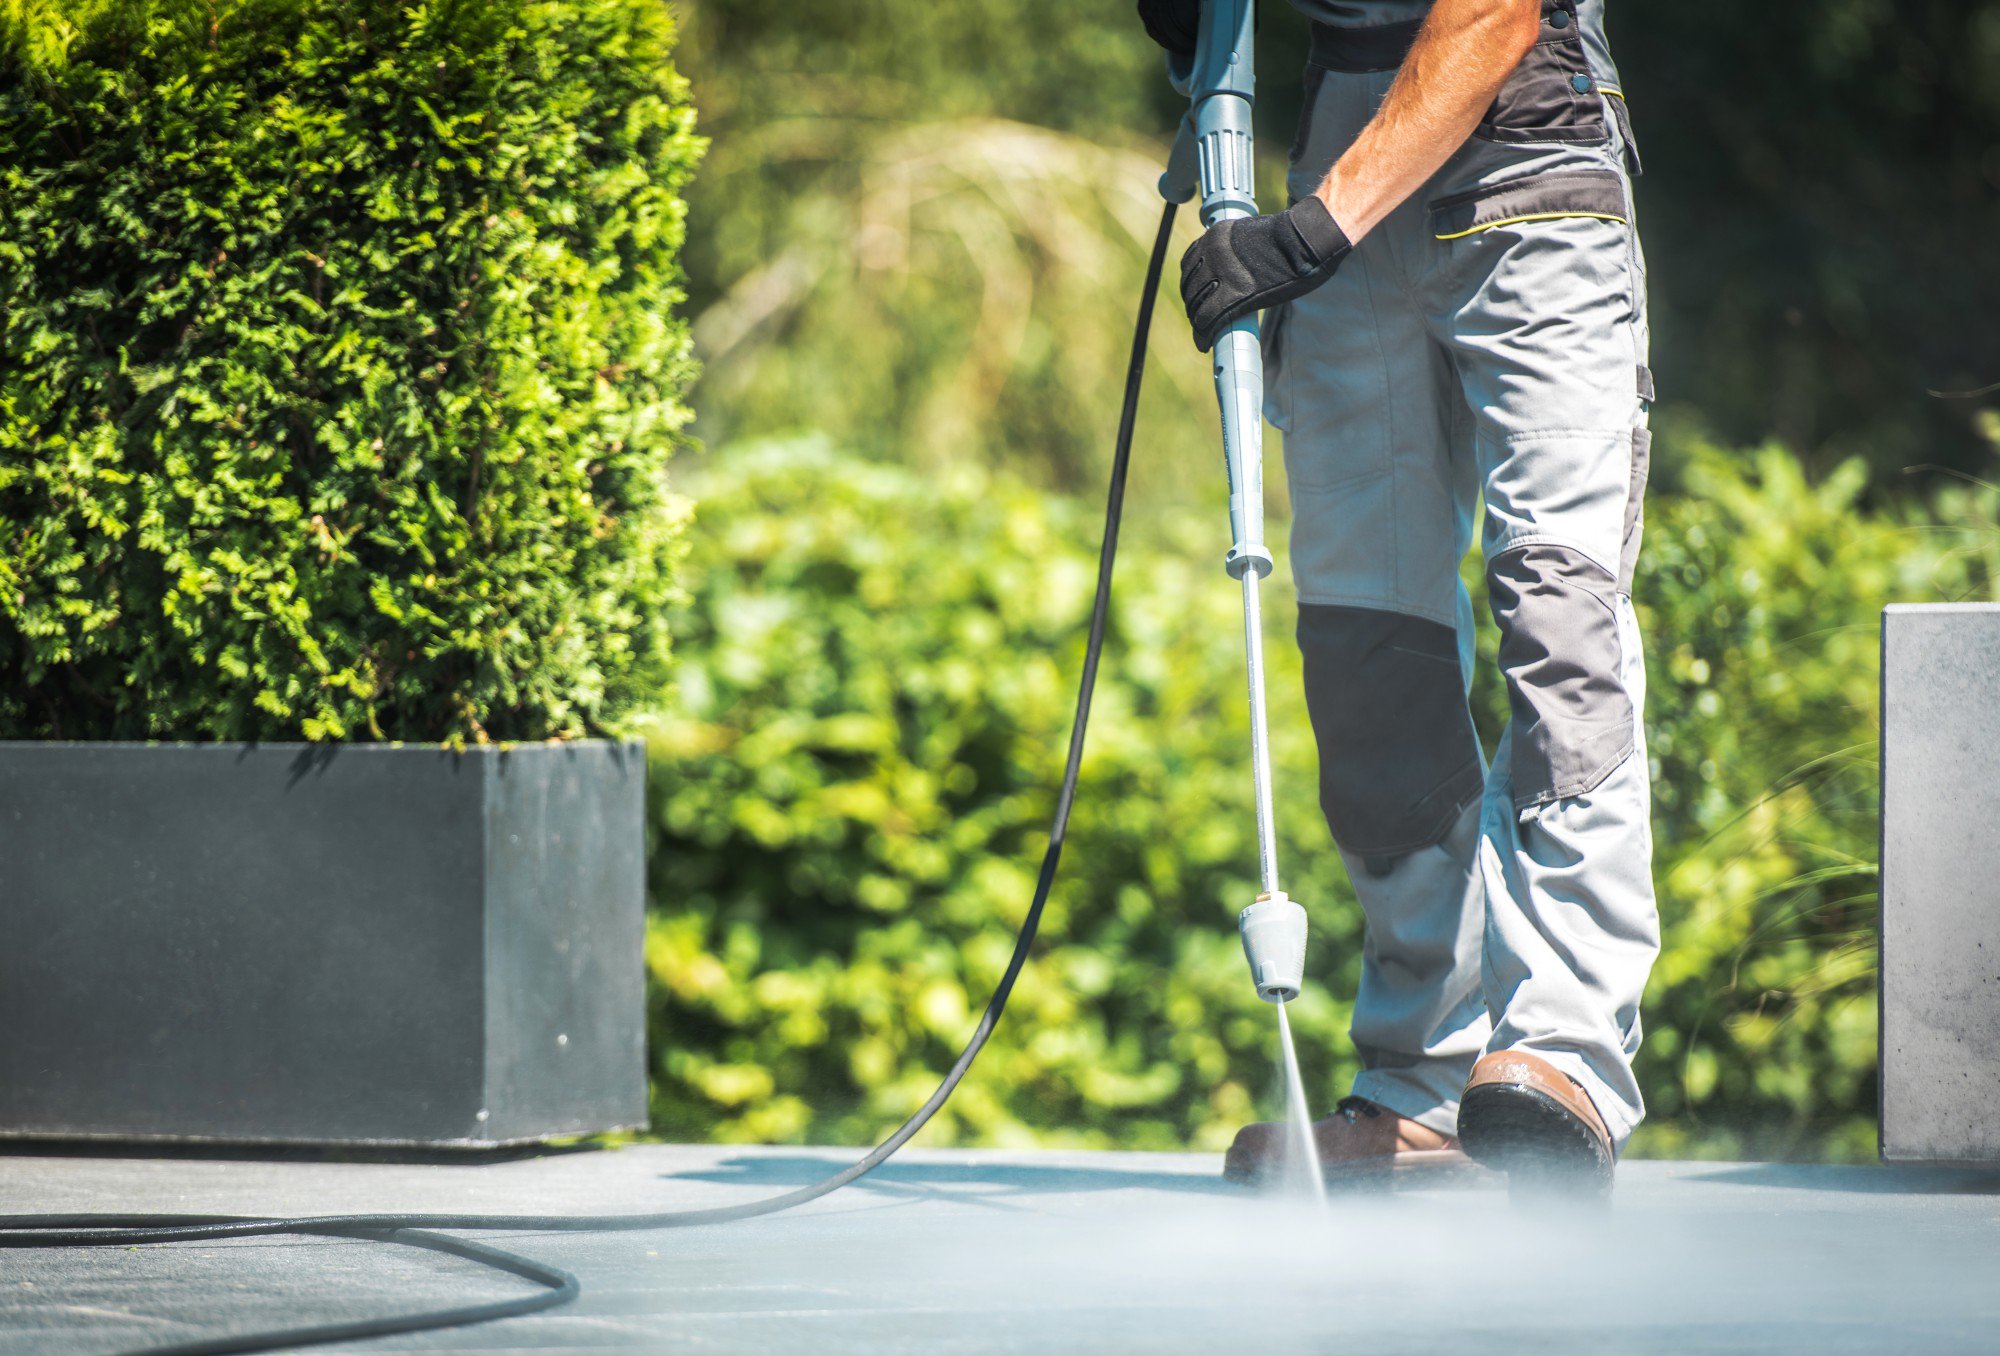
[851, 793]
[339, 366]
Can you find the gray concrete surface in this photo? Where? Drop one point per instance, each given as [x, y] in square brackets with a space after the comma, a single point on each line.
[947, 1252]
[1940, 882]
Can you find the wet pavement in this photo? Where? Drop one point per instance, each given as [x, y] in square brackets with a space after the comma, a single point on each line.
[947, 1251]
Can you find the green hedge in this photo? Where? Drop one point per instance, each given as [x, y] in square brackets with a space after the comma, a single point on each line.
[338, 365]
[876, 678]
[849, 803]
[1761, 593]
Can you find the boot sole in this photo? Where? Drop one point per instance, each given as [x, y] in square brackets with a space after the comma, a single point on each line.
[1542, 1146]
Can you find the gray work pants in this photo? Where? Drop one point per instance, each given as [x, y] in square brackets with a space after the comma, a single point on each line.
[1488, 341]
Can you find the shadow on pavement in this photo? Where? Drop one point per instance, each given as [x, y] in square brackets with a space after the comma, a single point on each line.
[1892, 1179]
[288, 1153]
[932, 1178]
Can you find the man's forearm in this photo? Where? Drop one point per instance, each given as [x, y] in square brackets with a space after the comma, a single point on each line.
[1463, 54]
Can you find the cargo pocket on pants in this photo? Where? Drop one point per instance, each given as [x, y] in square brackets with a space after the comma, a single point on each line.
[1563, 660]
[1541, 197]
[1277, 390]
[1302, 139]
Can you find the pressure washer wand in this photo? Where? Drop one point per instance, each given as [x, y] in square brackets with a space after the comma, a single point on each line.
[1212, 156]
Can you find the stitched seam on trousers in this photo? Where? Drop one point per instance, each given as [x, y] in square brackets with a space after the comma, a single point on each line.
[1527, 539]
[1635, 317]
[1406, 286]
[1288, 375]
[1277, 393]
[1633, 529]
[1567, 434]
[1583, 785]
[1461, 446]
[1526, 217]
[1378, 604]
[1526, 181]
[1388, 396]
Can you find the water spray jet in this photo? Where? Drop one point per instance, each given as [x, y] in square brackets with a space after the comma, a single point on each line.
[1212, 157]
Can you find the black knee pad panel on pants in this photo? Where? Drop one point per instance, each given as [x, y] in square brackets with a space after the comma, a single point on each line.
[1559, 648]
[1398, 759]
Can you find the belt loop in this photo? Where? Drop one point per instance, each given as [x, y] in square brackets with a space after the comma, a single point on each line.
[1622, 115]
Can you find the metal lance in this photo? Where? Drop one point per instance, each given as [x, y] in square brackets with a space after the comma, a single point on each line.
[1212, 157]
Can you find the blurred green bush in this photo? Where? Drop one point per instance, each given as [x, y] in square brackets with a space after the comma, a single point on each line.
[851, 798]
[851, 794]
[1761, 592]
[338, 366]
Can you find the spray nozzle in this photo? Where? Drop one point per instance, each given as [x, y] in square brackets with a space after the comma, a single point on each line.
[1274, 942]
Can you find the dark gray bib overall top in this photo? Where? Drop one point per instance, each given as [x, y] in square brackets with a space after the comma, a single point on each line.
[1383, 13]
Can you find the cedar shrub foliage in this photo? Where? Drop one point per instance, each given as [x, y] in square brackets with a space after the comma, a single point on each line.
[338, 366]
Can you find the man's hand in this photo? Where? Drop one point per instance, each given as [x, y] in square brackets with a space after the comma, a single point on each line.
[1174, 24]
[1245, 265]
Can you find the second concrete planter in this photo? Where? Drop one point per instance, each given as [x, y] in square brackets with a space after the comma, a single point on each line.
[321, 944]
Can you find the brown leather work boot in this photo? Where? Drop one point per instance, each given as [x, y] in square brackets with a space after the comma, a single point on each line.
[1360, 1140]
[1527, 1118]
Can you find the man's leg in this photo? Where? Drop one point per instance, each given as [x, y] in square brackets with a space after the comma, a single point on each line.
[1544, 310]
[1383, 483]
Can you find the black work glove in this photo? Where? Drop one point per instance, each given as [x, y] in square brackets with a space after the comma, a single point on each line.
[1247, 264]
[1174, 24]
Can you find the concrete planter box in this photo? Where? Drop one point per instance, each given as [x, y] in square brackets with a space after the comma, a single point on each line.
[1941, 883]
[321, 944]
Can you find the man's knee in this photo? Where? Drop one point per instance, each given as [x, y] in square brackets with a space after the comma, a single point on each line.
[1398, 756]
[1562, 656]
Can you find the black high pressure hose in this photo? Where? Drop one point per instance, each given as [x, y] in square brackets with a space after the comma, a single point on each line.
[124, 1231]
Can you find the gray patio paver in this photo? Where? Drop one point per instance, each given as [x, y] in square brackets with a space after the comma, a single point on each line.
[978, 1251]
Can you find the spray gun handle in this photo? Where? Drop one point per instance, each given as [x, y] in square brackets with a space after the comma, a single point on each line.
[1221, 85]
[1212, 157]
[1221, 65]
